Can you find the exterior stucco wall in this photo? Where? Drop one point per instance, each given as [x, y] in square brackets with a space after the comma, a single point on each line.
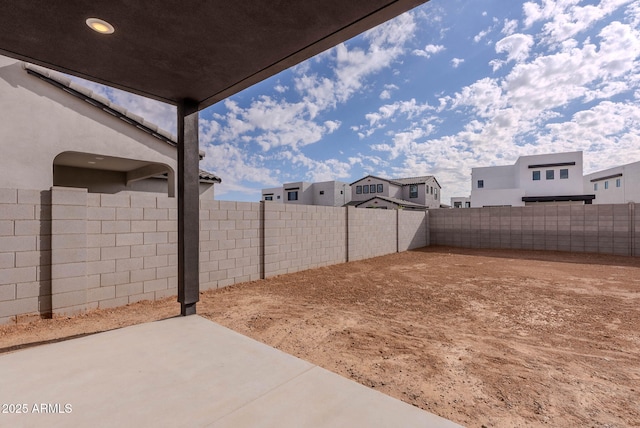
[39, 121]
[388, 189]
[629, 190]
[506, 185]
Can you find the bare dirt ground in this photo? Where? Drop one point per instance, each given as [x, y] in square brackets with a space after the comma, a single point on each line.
[482, 337]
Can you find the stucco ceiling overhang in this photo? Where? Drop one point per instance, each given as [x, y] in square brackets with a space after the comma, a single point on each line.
[203, 51]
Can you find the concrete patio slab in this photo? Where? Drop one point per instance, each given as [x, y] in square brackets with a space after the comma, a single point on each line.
[185, 371]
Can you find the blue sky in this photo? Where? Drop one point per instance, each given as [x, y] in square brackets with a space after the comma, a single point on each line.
[443, 88]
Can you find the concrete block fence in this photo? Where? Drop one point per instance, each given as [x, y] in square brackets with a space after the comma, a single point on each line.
[65, 251]
[607, 229]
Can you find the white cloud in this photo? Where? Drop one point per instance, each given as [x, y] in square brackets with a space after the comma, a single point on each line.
[429, 50]
[566, 18]
[510, 26]
[161, 114]
[455, 62]
[517, 46]
[481, 35]
[323, 170]
[385, 95]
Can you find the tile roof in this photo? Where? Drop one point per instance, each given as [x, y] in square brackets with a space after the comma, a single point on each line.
[400, 202]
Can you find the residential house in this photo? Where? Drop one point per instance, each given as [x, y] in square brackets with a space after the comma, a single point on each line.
[327, 193]
[618, 185]
[460, 202]
[56, 132]
[418, 193]
[549, 178]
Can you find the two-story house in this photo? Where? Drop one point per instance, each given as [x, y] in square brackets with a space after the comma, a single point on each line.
[408, 193]
[549, 178]
[617, 185]
[326, 193]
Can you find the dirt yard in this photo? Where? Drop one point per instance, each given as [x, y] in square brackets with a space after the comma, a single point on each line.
[482, 337]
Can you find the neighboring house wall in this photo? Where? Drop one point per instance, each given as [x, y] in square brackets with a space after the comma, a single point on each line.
[100, 181]
[40, 121]
[50, 137]
[274, 194]
[327, 193]
[331, 193]
[361, 189]
[460, 202]
[616, 185]
[427, 191]
[557, 174]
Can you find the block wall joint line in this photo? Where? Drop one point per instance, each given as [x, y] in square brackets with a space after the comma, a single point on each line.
[632, 229]
[261, 237]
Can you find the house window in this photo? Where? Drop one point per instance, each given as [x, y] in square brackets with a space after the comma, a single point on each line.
[372, 188]
[365, 188]
[268, 198]
[467, 204]
[618, 182]
[432, 190]
[358, 190]
[457, 205]
[292, 196]
[606, 185]
[564, 173]
[379, 188]
[413, 191]
[435, 194]
[322, 192]
[480, 184]
[536, 175]
[550, 174]
[595, 186]
[278, 196]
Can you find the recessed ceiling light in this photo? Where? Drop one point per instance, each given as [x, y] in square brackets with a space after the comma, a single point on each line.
[100, 26]
[91, 162]
[99, 158]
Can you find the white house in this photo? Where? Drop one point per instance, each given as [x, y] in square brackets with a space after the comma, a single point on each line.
[460, 202]
[326, 193]
[550, 178]
[55, 132]
[409, 193]
[618, 185]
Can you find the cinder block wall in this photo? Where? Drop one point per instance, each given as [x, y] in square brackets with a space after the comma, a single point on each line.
[111, 250]
[299, 237]
[371, 233]
[66, 250]
[412, 229]
[230, 243]
[25, 252]
[608, 229]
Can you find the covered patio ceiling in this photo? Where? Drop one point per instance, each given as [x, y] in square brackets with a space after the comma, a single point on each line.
[203, 51]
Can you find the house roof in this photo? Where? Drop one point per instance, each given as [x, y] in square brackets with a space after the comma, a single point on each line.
[202, 51]
[401, 181]
[64, 83]
[398, 202]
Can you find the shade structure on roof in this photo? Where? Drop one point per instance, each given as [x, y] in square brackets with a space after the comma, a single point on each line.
[203, 51]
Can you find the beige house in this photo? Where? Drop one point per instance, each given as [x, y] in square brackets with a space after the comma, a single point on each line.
[326, 193]
[418, 193]
[55, 132]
